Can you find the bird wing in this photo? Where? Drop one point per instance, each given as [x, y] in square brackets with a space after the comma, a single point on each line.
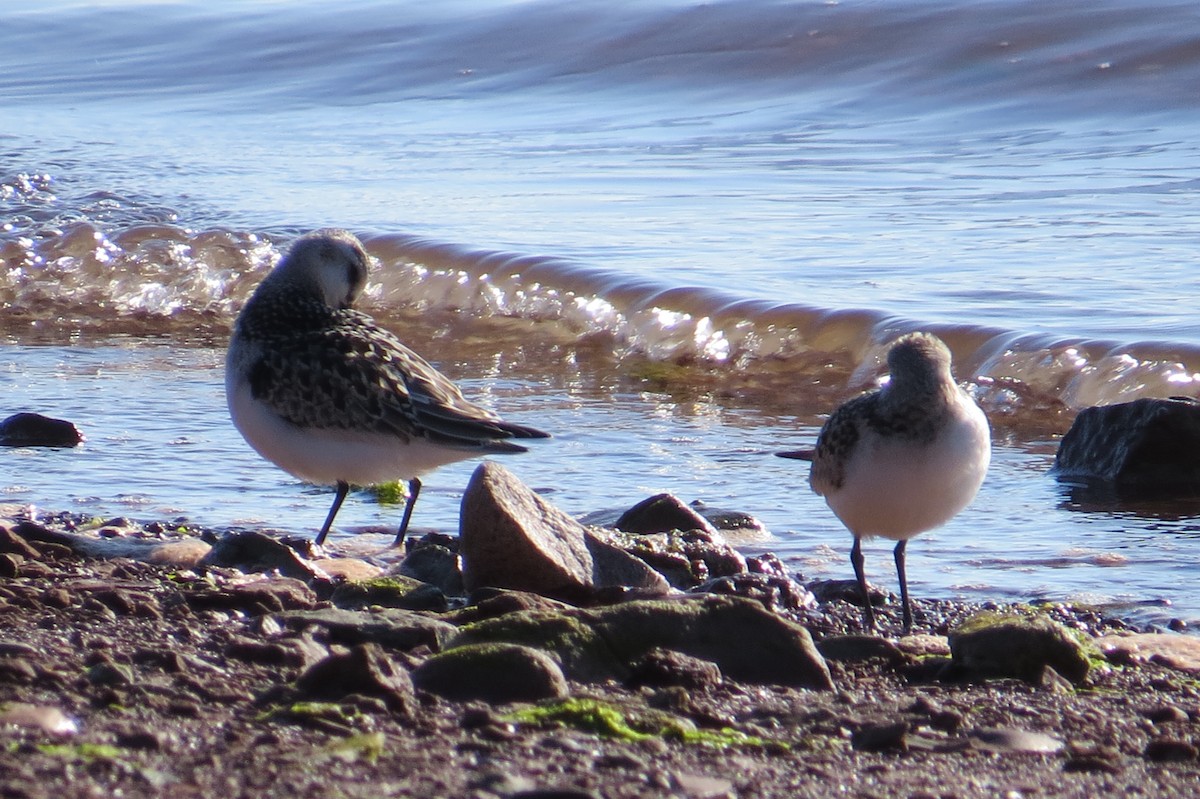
[357, 375]
[837, 441]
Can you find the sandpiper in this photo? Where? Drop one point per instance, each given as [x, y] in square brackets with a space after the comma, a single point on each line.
[320, 390]
[903, 459]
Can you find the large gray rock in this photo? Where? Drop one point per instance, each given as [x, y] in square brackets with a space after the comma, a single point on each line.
[389, 627]
[997, 645]
[747, 642]
[509, 537]
[1151, 444]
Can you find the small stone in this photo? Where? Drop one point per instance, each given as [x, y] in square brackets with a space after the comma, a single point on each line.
[14, 544]
[881, 736]
[664, 667]
[48, 719]
[1166, 714]
[1006, 740]
[365, 669]
[1179, 652]
[1170, 750]
[855, 648]
[699, 786]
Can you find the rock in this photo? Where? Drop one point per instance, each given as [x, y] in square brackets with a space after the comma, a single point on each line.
[880, 736]
[746, 641]
[685, 558]
[390, 592]
[509, 537]
[365, 670]
[775, 593]
[1179, 652]
[41, 717]
[995, 645]
[258, 597]
[14, 544]
[255, 552]
[827, 591]
[857, 648]
[35, 430]
[1171, 750]
[390, 627]
[1012, 741]
[743, 524]
[433, 561]
[701, 786]
[662, 513]
[495, 673]
[661, 668]
[488, 603]
[566, 635]
[1145, 444]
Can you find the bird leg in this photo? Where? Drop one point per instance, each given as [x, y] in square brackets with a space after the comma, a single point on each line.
[899, 553]
[414, 488]
[856, 559]
[342, 489]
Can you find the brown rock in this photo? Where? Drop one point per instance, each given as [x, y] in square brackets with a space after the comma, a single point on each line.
[663, 513]
[365, 670]
[512, 538]
[1179, 652]
[495, 673]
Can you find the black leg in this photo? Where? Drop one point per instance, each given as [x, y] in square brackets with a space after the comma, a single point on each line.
[856, 560]
[414, 488]
[900, 547]
[342, 489]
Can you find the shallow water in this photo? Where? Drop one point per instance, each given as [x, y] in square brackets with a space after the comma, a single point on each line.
[676, 235]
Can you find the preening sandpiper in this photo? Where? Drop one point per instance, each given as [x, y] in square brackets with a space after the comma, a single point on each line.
[903, 459]
[320, 390]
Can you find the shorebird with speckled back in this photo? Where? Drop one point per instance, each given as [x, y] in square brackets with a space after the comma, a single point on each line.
[903, 459]
[321, 391]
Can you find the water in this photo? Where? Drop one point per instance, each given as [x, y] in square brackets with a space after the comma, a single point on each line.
[673, 234]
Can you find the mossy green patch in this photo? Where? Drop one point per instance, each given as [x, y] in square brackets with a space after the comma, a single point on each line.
[581, 652]
[87, 752]
[392, 493]
[323, 713]
[639, 724]
[365, 747]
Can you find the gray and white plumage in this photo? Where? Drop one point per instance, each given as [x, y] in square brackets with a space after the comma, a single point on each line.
[903, 459]
[323, 392]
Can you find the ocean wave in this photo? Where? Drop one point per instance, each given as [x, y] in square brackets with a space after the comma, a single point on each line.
[159, 279]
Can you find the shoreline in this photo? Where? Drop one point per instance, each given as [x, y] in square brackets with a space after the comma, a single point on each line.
[148, 678]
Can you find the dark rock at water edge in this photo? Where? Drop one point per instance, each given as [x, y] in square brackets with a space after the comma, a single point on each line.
[258, 552]
[35, 430]
[662, 513]
[1147, 444]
